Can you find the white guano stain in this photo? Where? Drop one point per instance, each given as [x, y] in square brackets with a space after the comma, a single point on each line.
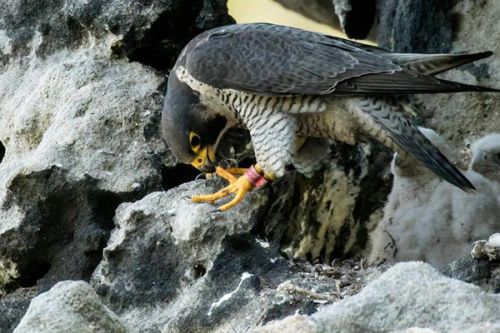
[228, 296]
[262, 243]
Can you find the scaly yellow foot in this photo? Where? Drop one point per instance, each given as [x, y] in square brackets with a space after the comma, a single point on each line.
[239, 186]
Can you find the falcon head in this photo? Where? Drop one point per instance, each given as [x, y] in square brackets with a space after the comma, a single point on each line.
[191, 130]
[486, 156]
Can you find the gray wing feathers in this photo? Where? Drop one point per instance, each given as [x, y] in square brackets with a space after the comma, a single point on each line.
[409, 140]
[276, 60]
[269, 59]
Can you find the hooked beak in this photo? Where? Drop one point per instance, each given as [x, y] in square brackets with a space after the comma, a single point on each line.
[205, 159]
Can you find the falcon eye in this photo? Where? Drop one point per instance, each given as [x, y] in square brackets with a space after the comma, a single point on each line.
[194, 141]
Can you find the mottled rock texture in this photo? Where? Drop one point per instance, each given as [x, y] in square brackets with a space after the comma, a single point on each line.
[81, 90]
[450, 26]
[483, 273]
[69, 307]
[13, 306]
[407, 295]
[171, 265]
[329, 214]
[164, 252]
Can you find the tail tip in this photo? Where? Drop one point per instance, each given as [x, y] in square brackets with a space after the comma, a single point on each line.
[469, 188]
[485, 54]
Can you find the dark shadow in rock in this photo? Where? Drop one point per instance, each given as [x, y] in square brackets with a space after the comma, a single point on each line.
[199, 270]
[177, 175]
[35, 271]
[243, 254]
[359, 20]
[2, 151]
[64, 230]
[375, 187]
[159, 46]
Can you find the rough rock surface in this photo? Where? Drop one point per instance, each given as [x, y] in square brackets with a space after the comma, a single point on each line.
[158, 257]
[171, 265]
[482, 272]
[407, 295]
[450, 26]
[62, 176]
[329, 214]
[13, 306]
[79, 126]
[69, 307]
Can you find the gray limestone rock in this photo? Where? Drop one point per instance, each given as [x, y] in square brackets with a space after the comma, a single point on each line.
[415, 26]
[408, 295]
[175, 266]
[13, 306]
[171, 265]
[73, 125]
[69, 307]
[80, 107]
[480, 272]
[450, 26]
[330, 213]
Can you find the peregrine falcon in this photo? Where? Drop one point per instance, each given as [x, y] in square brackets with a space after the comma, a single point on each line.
[286, 85]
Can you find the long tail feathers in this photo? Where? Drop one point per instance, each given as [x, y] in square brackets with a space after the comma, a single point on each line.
[403, 82]
[397, 129]
[433, 64]
[417, 76]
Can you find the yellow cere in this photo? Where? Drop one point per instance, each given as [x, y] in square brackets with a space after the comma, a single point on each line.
[199, 160]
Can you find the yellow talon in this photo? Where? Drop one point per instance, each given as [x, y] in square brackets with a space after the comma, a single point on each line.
[239, 186]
